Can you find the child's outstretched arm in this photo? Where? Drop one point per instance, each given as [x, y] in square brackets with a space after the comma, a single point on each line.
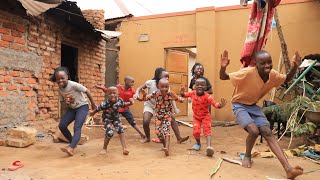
[176, 98]
[145, 97]
[224, 62]
[131, 101]
[93, 105]
[182, 91]
[296, 61]
[217, 105]
[222, 103]
[103, 88]
[136, 95]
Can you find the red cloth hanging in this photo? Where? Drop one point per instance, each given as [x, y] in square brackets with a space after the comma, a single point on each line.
[259, 25]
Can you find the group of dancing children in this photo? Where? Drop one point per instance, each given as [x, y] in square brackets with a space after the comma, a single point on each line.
[250, 83]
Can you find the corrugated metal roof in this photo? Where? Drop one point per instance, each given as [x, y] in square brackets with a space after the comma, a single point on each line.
[35, 8]
[63, 10]
[109, 34]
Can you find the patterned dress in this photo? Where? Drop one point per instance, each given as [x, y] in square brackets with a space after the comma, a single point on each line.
[163, 111]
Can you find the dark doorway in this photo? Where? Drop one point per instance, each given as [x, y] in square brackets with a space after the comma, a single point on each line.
[69, 59]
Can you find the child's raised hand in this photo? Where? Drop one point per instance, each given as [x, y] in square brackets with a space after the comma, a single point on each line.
[135, 96]
[224, 61]
[222, 103]
[143, 92]
[296, 59]
[131, 101]
[182, 89]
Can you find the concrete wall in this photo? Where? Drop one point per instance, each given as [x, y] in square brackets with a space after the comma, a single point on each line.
[212, 30]
[30, 50]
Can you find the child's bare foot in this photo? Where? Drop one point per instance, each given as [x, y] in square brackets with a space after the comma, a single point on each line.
[246, 162]
[166, 151]
[103, 152]
[67, 150]
[125, 152]
[145, 140]
[294, 172]
[210, 151]
[181, 140]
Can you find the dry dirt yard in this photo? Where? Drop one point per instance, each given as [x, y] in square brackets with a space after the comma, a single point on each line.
[45, 160]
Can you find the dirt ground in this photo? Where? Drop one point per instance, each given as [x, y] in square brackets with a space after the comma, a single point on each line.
[44, 160]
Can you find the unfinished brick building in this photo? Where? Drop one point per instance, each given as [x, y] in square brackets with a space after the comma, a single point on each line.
[35, 39]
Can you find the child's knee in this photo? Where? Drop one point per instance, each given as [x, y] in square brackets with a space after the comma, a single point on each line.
[62, 126]
[265, 131]
[109, 134]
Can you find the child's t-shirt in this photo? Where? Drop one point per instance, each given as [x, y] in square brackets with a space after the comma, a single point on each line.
[125, 95]
[75, 91]
[111, 109]
[250, 88]
[200, 103]
[152, 87]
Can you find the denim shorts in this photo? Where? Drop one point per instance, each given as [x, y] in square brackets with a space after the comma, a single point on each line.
[247, 114]
[129, 117]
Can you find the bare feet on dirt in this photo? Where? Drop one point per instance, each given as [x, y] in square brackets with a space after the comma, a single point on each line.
[145, 140]
[183, 139]
[125, 152]
[166, 151]
[103, 152]
[294, 172]
[246, 162]
[67, 150]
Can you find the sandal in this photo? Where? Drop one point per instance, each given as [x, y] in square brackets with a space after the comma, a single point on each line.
[15, 165]
[196, 147]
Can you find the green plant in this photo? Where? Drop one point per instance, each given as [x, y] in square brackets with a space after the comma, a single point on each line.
[292, 112]
[307, 128]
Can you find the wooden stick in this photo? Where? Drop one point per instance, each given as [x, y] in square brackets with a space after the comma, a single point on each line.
[95, 125]
[184, 123]
[273, 93]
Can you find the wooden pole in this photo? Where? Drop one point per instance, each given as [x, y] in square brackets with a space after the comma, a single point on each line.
[279, 68]
[284, 48]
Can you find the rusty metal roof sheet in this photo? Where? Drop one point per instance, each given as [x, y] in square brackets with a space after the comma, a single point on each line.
[35, 8]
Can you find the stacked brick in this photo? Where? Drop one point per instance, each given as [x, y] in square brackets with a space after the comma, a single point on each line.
[33, 50]
[95, 18]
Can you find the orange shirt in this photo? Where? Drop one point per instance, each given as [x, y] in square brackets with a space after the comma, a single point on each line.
[250, 88]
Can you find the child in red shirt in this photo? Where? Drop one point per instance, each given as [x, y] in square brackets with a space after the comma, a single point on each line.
[201, 115]
[126, 92]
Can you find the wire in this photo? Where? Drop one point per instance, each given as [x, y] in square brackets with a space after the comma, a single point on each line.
[143, 6]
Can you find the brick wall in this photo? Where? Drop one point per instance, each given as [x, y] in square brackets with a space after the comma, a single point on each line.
[30, 50]
[95, 17]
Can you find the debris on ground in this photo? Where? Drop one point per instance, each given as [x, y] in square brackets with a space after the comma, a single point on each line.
[270, 178]
[185, 123]
[311, 154]
[15, 165]
[40, 136]
[216, 167]
[224, 124]
[21, 136]
[232, 161]
[267, 154]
